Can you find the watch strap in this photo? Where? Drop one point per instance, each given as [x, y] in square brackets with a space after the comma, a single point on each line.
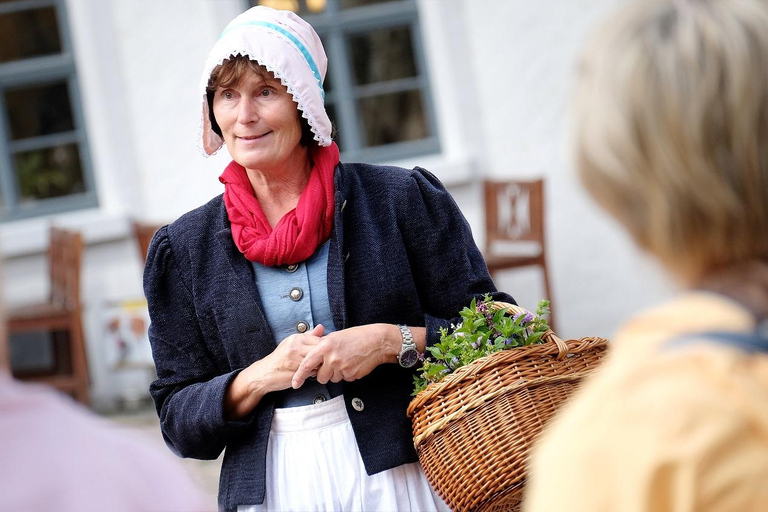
[407, 336]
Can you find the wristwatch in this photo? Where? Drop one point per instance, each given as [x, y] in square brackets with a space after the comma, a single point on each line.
[408, 355]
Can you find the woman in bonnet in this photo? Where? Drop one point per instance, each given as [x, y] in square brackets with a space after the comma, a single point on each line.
[288, 315]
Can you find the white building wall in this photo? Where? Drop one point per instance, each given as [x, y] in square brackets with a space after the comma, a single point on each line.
[499, 70]
[523, 63]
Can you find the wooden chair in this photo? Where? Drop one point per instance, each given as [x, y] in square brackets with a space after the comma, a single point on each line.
[5, 355]
[61, 316]
[514, 229]
[143, 232]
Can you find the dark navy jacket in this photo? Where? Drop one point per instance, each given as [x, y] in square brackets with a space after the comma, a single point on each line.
[401, 252]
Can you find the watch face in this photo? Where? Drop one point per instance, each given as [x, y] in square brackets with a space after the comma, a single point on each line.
[409, 358]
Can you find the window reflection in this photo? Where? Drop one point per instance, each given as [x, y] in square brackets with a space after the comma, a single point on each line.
[382, 55]
[29, 33]
[396, 117]
[39, 110]
[49, 172]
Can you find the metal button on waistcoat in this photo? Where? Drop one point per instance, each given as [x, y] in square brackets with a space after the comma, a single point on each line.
[296, 294]
[292, 268]
[302, 326]
[358, 404]
[319, 399]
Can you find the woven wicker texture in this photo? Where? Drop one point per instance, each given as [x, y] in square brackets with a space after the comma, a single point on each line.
[474, 429]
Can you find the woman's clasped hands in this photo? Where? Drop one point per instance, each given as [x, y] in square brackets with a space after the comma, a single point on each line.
[349, 354]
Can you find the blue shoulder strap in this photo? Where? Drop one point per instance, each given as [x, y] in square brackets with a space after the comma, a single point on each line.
[754, 342]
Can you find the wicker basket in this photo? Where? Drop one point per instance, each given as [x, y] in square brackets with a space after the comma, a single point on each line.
[473, 429]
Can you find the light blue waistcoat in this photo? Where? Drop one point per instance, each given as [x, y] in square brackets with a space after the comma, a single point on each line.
[295, 299]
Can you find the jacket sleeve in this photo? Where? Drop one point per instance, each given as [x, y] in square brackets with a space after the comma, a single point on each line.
[446, 263]
[189, 391]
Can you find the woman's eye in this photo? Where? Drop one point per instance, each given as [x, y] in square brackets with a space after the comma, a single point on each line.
[227, 95]
[266, 92]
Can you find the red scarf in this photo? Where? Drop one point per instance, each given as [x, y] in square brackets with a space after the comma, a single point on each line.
[300, 231]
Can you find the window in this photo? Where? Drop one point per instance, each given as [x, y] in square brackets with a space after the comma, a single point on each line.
[44, 166]
[377, 92]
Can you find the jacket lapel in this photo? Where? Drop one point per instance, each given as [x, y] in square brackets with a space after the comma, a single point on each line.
[243, 270]
[336, 256]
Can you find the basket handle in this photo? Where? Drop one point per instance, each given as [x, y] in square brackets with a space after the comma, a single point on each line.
[562, 348]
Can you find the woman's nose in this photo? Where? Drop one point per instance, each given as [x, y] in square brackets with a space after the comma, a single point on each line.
[247, 112]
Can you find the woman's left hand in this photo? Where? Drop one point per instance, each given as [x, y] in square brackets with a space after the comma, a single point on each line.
[353, 353]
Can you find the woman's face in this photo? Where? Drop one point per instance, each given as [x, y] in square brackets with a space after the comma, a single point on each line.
[260, 123]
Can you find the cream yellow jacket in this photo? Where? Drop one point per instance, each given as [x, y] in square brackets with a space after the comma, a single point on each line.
[661, 429]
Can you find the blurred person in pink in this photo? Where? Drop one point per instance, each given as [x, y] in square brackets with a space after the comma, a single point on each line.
[671, 137]
[56, 455]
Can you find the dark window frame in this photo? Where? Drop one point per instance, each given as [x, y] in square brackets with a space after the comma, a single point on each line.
[40, 71]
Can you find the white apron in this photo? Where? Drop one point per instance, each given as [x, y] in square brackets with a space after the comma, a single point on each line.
[313, 464]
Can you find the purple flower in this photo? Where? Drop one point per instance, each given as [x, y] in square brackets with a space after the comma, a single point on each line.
[482, 307]
[474, 345]
[527, 318]
[509, 341]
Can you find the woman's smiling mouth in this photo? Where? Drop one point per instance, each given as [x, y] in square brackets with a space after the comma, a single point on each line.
[254, 137]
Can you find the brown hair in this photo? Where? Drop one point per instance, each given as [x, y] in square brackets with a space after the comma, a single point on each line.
[670, 129]
[229, 73]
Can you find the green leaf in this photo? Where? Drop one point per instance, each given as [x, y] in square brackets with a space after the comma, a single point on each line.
[436, 369]
[533, 338]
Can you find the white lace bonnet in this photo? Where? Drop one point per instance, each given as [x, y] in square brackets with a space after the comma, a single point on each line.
[287, 46]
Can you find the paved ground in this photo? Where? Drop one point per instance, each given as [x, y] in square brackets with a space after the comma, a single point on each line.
[144, 422]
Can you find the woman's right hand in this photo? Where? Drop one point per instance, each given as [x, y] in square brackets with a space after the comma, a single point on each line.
[273, 373]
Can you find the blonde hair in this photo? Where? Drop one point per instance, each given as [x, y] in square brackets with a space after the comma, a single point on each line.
[670, 129]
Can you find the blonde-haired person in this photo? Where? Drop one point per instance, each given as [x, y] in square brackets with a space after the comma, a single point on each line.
[671, 138]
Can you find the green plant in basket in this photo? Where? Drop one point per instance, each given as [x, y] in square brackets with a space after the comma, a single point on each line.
[486, 327]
